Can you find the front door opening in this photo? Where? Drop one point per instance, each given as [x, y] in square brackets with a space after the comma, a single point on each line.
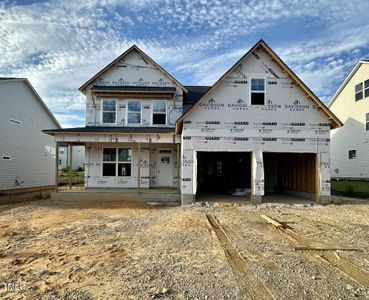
[223, 172]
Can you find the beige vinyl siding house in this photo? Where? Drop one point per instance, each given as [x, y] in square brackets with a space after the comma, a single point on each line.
[27, 156]
[350, 144]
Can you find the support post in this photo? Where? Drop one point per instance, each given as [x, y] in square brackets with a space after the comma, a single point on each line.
[178, 165]
[257, 177]
[70, 149]
[139, 168]
[57, 165]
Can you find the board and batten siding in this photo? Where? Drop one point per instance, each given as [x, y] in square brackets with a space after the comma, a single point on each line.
[31, 152]
[353, 135]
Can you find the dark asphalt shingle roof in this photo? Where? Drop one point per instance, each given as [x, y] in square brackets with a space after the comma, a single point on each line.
[194, 94]
[101, 129]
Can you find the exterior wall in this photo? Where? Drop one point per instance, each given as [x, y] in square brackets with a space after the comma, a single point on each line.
[133, 70]
[148, 166]
[225, 121]
[78, 159]
[32, 152]
[353, 135]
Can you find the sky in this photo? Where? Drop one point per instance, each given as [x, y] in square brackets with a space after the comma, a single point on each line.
[59, 44]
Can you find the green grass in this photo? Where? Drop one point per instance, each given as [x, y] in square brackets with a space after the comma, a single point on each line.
[353, 188]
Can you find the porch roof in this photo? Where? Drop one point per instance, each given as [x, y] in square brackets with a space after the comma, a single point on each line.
[101, 129]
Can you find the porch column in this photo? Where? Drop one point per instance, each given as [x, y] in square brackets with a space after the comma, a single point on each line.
[139, 167]
[56, 165]
[178, 166]
[70, 149]
[257, 177]
[323, 178]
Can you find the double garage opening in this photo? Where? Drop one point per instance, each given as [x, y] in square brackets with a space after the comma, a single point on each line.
[229, 173]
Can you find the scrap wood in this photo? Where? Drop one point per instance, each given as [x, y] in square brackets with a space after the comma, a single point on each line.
[347, 268]
[312, 248]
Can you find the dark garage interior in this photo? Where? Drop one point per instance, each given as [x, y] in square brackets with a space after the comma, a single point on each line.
[289, 172]
[222, 172]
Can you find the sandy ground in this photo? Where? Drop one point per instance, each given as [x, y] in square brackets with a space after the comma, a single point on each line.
[114, 250]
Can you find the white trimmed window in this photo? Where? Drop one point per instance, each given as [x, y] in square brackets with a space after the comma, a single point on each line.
[159, 112]
[257, 91]
[366, 88]
[352, 154]
[109, 111]
[134, 112]
[117, 162]
[359, 91]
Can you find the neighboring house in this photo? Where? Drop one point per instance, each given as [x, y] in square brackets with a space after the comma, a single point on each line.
[350, 144]
[78, 157]
[27, 156]
[258, 127]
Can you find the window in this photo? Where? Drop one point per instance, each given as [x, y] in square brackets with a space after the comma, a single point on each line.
[134, 112]
[257, 91]
[359, 91]
[109, 111]
[352, 154]
[159, 112]
[366, 88]
[367, 122]
[117, 161]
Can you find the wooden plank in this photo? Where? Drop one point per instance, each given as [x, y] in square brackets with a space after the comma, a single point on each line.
[325, 249]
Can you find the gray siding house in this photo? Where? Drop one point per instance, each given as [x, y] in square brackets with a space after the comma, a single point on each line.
[27, 156]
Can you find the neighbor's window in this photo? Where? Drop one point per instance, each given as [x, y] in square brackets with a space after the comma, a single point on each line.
[134, 112]
[117, 161]
[159, 112]
[367, 122]
[359, 91]
[109, 111]
[257, 91]
[352, 154]
[366, 88]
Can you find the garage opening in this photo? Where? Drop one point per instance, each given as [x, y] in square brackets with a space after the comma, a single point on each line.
[290, 173]
[223, 172]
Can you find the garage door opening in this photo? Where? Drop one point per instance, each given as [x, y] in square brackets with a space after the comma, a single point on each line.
[223, 172]
[290, 173]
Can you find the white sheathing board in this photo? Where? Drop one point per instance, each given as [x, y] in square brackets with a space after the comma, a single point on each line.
[324, 173]
[32, 152]
[225, 120]
[353, 135]
[148, 162]
[257, 184]
[133, 70]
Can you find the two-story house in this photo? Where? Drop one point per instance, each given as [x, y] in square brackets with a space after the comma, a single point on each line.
[350, 144]
[258, 128]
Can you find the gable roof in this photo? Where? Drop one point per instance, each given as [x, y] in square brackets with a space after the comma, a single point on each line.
[335, 122]
[120, 57]
[347, 79]
[6, 79]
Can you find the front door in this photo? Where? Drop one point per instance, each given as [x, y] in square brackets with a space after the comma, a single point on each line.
[165, 168]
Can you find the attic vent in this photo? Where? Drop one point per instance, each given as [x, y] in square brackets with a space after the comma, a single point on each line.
[6, 157]
[14, 121]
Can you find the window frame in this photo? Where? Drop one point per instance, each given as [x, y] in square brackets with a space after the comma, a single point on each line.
[367, 122]
[127, 114]
[360, 91]
[348, 154]
[365, 89]
[102, 111]
[258, 92]
[166, 113]
[116, 162]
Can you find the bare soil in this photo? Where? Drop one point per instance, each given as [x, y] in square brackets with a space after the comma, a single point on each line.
[129, 250]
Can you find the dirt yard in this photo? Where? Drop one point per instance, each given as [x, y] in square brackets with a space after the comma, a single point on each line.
[112, 250]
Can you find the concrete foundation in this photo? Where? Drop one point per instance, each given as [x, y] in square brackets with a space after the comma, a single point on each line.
[324, 200]
[256, 199]
[152, 195]
[187, 199]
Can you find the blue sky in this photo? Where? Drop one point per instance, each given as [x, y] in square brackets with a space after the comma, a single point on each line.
[58, 45]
